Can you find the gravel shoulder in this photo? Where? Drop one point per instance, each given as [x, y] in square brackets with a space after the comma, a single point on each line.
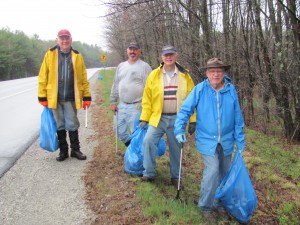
[39, 190]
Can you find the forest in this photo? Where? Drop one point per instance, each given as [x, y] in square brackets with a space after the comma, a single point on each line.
[21, 56]
[260, 39]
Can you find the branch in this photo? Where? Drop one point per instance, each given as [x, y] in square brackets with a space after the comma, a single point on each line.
[280, 1]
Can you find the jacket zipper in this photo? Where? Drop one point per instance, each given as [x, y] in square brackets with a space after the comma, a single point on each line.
[219, 121]
[65, 75]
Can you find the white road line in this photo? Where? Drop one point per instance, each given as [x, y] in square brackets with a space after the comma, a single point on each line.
[17, 93]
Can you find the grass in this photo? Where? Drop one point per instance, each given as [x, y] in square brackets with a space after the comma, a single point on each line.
[106, 82]
[273, 166]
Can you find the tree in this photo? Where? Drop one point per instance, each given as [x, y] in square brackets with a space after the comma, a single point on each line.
[259, 38]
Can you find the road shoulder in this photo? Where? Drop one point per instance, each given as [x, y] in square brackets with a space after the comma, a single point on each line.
[40, 190]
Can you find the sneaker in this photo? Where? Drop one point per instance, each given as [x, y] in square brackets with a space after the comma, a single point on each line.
[147, 179]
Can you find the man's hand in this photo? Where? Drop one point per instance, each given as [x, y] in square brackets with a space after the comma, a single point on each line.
[142, 124]
[192, 128]
[86, 104]
[181, 138]
[44, 103]
[114, 108]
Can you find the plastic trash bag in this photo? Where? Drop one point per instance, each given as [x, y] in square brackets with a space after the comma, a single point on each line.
[161, 144]
[48, 137]
[236, 191]
[134, 155]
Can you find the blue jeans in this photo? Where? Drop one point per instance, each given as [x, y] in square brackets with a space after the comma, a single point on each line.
[65, 116]
[125, 119]
[151, 139]
[215, 169]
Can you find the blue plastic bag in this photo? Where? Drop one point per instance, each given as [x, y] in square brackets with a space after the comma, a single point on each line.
[134, 155]
[161, 148]
[236, 191]
[48, 137]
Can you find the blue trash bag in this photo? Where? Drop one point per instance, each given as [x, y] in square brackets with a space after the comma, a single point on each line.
[236, 191]
[134, 155]
[48, 137]
[161, 148]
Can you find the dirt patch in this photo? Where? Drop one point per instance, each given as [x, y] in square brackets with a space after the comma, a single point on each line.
[109, 191]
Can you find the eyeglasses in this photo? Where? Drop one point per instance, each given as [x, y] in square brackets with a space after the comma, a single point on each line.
[64, 38]
[215, 70]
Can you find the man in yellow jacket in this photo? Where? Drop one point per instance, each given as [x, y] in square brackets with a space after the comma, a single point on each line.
[166, 88]
[62, 86]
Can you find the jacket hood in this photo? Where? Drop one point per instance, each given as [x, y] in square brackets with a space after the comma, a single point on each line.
[57, 47]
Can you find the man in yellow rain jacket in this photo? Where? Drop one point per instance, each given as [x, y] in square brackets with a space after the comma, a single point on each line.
[62, 86]
[166, 88]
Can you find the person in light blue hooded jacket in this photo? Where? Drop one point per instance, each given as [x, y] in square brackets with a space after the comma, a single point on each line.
[219, 125]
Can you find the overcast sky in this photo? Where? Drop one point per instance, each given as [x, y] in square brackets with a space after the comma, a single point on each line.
[46, 17]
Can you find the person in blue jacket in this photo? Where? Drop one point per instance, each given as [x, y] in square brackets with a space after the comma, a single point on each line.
[219, 125]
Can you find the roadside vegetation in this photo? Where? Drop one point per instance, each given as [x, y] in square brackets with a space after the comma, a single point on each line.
[272, 163]
[260, 39]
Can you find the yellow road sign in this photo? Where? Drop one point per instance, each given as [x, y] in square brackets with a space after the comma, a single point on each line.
[103, 58]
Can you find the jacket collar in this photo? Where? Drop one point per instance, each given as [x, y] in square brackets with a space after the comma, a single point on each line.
[180, 68]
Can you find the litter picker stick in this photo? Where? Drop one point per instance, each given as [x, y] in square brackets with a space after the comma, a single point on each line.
[86, 116]
[179, 178]
[116, 120]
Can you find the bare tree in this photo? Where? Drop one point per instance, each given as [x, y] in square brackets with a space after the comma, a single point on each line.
[259, 38]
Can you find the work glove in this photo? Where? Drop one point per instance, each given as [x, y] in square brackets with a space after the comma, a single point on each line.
[192, 128]
[142, 124]
[181, 138]
[86, 104]
[44, 103]
[114, 108]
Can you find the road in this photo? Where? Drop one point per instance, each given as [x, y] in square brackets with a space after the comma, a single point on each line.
[20, 118]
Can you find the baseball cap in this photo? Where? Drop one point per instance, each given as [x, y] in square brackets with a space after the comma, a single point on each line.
[168, 49]
[134, 45]
[64, 32]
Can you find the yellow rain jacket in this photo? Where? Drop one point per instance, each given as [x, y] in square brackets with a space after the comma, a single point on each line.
[153, 96]
[48, 79]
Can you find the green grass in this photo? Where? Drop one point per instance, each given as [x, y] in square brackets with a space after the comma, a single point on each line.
[275, 155]
[164, 209]
[272, 164]
[288, 214]
[105, 84]
[105, 87]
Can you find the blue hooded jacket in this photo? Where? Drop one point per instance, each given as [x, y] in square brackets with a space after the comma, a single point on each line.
[218, 118]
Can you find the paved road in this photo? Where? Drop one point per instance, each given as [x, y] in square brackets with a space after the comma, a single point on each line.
[39, 190]
[20, 115]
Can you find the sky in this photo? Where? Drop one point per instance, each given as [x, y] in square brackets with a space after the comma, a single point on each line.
[46, 17]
